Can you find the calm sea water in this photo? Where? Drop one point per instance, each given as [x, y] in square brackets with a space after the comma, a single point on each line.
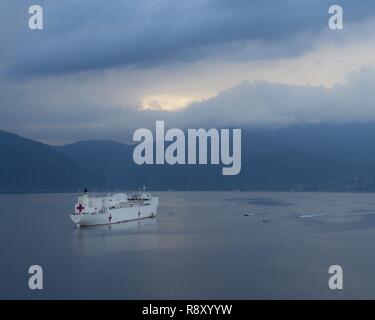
[200, 246]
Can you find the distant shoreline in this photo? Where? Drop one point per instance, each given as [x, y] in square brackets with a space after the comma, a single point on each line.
[179, 190]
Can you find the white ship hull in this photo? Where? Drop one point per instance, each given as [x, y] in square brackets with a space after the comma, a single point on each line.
[117, 215]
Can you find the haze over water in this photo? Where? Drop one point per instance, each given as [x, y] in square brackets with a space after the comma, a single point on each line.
[200, 246]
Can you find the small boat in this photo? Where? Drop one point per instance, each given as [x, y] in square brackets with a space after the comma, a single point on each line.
[249, 213]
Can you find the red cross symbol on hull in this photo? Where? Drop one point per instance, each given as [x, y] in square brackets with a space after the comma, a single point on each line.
[80, 208]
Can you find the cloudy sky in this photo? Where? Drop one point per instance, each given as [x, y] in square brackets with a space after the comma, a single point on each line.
[101, 69]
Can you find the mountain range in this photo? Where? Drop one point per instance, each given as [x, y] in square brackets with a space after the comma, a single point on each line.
[301, 158]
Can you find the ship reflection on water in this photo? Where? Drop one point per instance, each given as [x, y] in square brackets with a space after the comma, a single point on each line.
[127, 236]
[200, 246]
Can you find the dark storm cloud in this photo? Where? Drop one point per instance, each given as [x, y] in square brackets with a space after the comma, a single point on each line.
[257, 104]
[94, 35]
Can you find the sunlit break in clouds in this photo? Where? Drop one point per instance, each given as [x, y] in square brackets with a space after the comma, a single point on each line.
[102, 71]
